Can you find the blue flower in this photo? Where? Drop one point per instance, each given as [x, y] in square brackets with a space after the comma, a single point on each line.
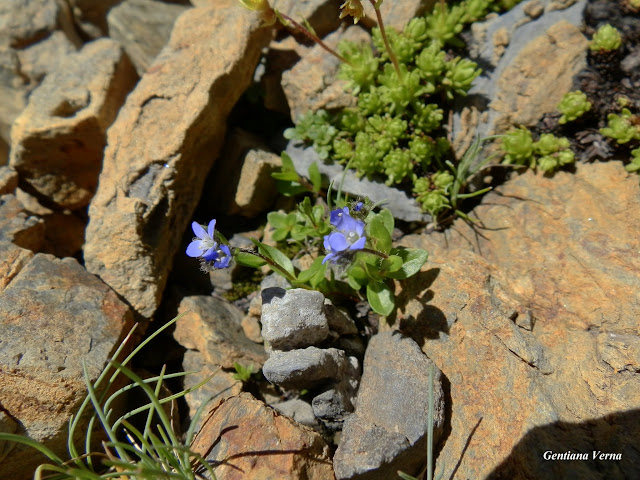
[203, 245]
[358, 206]
[222, 257]
[348, 237]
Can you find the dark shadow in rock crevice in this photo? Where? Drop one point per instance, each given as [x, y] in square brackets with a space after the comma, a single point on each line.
[617, 433]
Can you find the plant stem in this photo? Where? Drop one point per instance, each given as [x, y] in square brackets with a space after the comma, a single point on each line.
[274, 266]
[312, 36]
[374, 252]
[387, 45]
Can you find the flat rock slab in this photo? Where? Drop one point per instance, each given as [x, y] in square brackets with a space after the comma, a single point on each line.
[306, 367]
[243, 438]
[562, 253]
[58, 140]
[162, 145]
[213, 327]
[388, 431]
[54, 316]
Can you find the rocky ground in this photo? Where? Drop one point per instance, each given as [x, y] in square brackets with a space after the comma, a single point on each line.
[122, 121]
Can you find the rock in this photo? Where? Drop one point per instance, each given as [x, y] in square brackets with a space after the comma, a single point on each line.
[388, 431]
[312, 83]
[63, 234]
[305, 368]
[243, 183]
[91, 15]
[17, 226]
[534, 63]
[143, 27]
[12, 259]
[240, 426]
[293, 318]
[251, 327]
[579, 279]
[398, 14]
[34, 35]
[402, 206]
[8, 180]
[298, 410]
[212, 327]
[221, 385]
[57, 141]
[161, 146]
[4, 152]
[338, 321]
[333, 405]
[7, 425]
[322, 15]
[55, 320]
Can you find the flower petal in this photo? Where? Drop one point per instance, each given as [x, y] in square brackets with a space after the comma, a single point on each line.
[194, 250]
[199, 231]
[225, 249]
[328, 257]
[338, 242]
[359, 245]
[337, 215]
[210, 254]
[211, 228]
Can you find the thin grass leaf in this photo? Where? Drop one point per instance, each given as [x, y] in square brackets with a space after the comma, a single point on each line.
[12, 437]
[147, 425]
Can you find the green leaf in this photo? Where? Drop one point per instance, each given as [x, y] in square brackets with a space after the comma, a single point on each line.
[387, 218]
[315, 177]
[391, 264]
[378, 234]
[357, 277]
[278, 257]
[287, 163]
[381, 298]
[413, 260]
[316, 269]
[249, 260]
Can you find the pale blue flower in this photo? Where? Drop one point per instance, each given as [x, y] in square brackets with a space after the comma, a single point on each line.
[204, 244]
[348, 237]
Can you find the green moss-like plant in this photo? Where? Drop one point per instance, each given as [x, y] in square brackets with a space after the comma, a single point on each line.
[572, 106]
[606, 38]
[622, 128]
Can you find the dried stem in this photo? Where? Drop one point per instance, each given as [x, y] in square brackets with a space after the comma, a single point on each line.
[387, 45]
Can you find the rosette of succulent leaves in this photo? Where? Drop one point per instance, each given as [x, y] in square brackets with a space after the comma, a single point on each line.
[404, 87]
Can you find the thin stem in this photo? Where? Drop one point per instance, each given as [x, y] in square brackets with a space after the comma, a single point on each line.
[387, 45]
[374, 252]
[312, 36]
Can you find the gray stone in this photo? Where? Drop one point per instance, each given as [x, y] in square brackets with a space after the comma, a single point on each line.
[335, 404]
[388, 430]
[304, 368]
[91, 15]
[293, 318]
[322, 15]
[211, 326]
[161, 146]
[402, 206]
[299, 410]
[397, 14]
[12, 259]
[56, 322]
[59, 138]
[338, 320]
[143, 27]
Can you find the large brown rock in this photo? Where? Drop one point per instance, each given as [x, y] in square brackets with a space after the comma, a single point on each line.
[243, 438]
[560, 254]
[162, 145]
[212, 327]
[58, 140]
[313, 82]
[34, 34]
[55, 319]
[143, 27]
